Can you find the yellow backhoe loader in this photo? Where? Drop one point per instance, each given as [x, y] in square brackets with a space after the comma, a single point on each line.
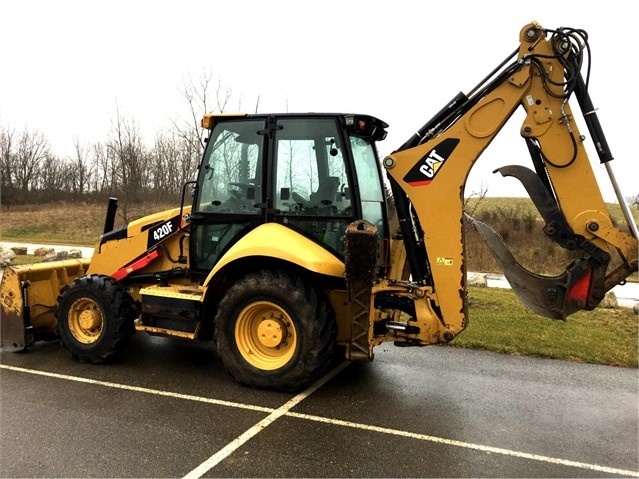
[284, 257]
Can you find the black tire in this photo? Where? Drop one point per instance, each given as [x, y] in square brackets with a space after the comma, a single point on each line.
[275, 332]
[95, 318]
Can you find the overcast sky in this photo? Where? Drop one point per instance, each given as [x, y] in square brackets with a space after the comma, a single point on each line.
[66, 65]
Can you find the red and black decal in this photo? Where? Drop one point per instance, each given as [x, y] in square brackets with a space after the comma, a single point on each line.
[428, 165]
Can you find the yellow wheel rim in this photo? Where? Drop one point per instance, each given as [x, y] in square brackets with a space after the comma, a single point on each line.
[265, 335]
[85, 320]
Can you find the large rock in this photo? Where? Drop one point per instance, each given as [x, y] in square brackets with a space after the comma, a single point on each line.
[6, 256]
[61, 255]
[53, 256]
[21, 250]
[609, 301]
[477, 279]
[75, 253]
[43, 251]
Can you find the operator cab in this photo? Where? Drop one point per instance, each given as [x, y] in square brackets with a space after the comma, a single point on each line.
[314, 173]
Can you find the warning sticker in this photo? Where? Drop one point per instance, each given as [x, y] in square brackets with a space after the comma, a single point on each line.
[444, 261]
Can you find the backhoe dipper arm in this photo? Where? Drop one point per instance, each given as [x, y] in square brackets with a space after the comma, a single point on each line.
[429, 171]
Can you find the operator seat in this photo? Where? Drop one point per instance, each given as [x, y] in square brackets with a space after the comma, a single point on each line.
[326, 193]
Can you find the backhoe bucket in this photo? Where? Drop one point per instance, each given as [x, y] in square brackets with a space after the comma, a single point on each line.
[554, 297]
[28, 298]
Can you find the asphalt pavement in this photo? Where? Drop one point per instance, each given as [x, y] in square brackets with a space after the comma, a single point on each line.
[169, 409]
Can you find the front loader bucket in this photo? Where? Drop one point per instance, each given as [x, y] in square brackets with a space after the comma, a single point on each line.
[28, 298]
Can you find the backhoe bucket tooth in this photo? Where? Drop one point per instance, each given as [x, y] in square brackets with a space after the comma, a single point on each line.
[539, 194]
[554, 297]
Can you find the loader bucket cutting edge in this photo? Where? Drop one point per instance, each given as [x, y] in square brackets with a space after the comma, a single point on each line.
[28, 298]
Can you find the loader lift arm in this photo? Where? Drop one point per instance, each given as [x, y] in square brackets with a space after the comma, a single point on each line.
[428, 173]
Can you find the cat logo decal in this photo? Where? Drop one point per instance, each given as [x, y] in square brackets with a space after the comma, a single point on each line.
[427, 167]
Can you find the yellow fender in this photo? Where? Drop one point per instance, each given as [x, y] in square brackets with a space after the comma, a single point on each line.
[273, 240]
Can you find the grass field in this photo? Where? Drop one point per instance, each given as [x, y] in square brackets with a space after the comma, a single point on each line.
[499, 322]
[76, 223]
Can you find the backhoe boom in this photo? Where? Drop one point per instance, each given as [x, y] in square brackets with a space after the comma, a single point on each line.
[429, 172]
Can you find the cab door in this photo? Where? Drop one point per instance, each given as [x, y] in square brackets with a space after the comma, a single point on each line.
[311, 177]
[229, 197]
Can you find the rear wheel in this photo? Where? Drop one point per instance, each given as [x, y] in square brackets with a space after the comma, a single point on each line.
[275, 332]
[95, 318]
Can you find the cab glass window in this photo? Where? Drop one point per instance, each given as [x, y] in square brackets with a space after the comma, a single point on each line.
[310, 165]
[370, 184]
[230, 177]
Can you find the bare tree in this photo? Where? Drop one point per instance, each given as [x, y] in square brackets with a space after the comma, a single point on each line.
[200, 100]
[103, 176]
[633, 200]
[470, 207]
[202, 95]
[52, 181]
[80, 169]
[32, 149]
[129, 163]
[7, 154]
[166, 165]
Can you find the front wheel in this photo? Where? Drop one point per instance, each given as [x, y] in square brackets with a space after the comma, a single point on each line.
[275, 332]
[95, 318]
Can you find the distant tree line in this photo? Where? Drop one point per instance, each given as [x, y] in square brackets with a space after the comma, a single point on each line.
[121, 165]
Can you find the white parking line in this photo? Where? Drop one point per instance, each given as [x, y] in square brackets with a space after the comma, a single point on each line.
[285, 410]
[467, 445]
[223, 453]
[138, 389]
